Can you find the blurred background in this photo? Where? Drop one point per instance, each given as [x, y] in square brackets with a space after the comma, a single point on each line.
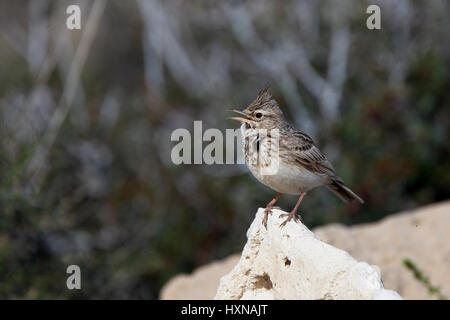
[86, 117]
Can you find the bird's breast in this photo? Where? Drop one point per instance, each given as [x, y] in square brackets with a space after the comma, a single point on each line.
[280, 174]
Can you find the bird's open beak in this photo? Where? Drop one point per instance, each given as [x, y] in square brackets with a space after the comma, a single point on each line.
[240, 118]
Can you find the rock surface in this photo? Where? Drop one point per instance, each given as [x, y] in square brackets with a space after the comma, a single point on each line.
[201, 284]
[291, 263]
[420, 235]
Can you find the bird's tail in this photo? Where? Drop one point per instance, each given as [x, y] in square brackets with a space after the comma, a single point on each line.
[342, 191]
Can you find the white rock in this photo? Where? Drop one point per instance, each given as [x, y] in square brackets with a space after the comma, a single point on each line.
[291, 263]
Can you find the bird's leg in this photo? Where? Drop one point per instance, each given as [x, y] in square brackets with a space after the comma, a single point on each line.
[269, 209]
[293, 214]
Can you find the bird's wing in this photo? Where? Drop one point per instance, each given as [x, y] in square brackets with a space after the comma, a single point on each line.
[301, 148]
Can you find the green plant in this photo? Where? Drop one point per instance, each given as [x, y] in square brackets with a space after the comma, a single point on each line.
[418, 274]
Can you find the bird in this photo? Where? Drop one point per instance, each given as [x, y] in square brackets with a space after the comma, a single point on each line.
[283, 157]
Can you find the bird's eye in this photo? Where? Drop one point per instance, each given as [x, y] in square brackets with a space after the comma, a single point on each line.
[258, 115]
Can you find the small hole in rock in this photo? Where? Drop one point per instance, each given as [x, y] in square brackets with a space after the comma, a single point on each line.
[263, 281]
[287, 262]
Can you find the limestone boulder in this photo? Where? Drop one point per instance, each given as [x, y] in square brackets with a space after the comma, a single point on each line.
[420, 235]
[292, 263]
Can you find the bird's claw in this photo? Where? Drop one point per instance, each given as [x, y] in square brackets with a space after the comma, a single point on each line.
[290, 216]
[267, 211]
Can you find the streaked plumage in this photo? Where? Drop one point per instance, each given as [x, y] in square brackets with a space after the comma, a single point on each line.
[301, 165]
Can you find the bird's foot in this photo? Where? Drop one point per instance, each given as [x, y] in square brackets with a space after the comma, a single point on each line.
[267, 211]
[290, 216]
[266, 216]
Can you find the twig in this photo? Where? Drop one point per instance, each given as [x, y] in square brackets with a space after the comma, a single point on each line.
[70, 89]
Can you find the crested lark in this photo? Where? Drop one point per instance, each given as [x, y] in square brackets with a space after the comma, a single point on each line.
[284, 158]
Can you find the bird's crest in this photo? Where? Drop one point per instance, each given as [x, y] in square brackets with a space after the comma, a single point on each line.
[263, 95]
[262, 99]
[265, 101]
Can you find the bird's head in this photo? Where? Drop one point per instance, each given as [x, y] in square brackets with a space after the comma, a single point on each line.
[262, 113]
